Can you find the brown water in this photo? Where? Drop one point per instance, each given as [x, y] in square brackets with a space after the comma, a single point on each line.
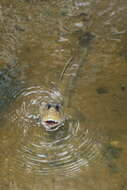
[89, 152]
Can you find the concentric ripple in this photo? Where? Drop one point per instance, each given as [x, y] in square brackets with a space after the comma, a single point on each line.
[63, 151]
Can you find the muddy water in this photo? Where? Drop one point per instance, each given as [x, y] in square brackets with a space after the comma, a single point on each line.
[89, 151]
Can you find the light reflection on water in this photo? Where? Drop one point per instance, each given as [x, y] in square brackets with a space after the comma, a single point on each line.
[60, 152]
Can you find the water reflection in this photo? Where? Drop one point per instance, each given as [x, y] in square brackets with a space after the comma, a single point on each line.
[62, 151]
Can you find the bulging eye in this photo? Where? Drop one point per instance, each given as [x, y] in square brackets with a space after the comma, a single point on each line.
[57, 107]
[48, 106]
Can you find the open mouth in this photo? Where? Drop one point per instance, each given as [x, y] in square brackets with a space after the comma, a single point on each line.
[51, 122]
[52, 125]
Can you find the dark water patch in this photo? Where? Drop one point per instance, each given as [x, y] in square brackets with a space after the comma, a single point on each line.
[124, 53]
[86, 39]
[11, 84]
[112, 155]
[123, 48]
[124, 187]
[123, 87]
[19, 28]
[112, 152]
[113, 167]
[102, 90]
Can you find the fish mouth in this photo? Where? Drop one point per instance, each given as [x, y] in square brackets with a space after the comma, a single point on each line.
[52, 125]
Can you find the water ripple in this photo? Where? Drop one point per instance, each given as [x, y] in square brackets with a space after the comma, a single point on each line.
[63, 151]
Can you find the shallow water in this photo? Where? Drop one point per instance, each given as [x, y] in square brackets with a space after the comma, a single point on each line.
[89, 151]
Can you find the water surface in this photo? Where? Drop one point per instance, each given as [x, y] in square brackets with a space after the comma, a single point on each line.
[89, 152]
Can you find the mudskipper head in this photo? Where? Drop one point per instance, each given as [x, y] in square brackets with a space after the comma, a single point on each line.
[52, 116]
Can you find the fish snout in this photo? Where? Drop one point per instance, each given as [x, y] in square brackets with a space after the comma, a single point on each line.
[52, 117]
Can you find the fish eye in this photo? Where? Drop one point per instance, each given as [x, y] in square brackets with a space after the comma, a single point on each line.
[57, 107]
[48, 106]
